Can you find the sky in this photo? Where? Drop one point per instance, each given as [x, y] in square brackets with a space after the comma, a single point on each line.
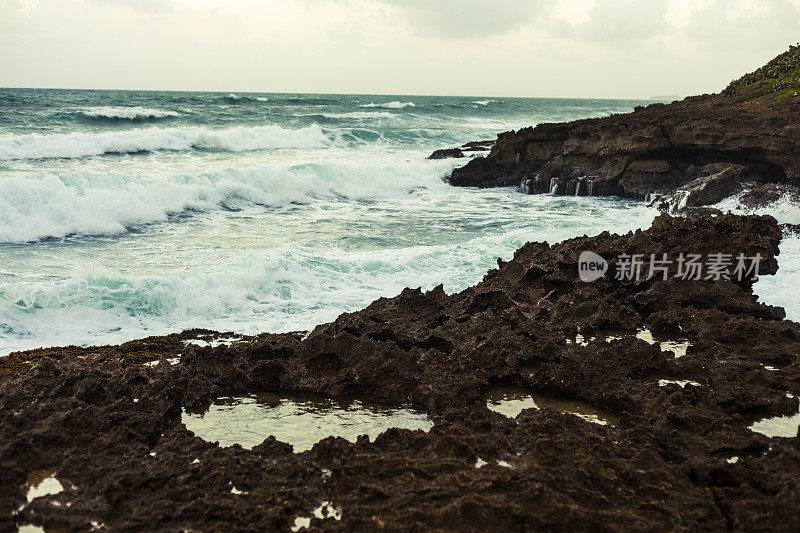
[535, 48]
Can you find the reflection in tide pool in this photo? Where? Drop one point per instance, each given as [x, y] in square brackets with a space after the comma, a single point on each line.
[301, 422]
[779, 426]
[42, 483]
[510, 402]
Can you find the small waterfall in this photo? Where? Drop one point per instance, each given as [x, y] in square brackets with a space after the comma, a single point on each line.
[577, 188]
[677, 202]
[683, 199]
[553, 185]
[524, 187]
[590, 187]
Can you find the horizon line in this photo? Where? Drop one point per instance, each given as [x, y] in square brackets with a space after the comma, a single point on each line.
[651, 98]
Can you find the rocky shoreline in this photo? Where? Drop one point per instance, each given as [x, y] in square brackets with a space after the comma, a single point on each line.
[680, 455]
[692, 153]
[680, 449]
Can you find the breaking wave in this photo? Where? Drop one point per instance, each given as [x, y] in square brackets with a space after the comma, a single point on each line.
[93, 203]
[772, 290]
[355, 115]
[293, 287]
[238, 139]
[235, 98]
[127, 113]
[390, 105]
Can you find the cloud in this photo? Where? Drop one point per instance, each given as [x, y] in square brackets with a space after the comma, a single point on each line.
[599, 48]
[620, 21]
[467, 19]
[147, 6]
[740, 20]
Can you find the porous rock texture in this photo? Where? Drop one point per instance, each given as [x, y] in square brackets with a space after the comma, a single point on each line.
[665, 465]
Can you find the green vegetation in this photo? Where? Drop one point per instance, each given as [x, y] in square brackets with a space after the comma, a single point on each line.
[780, 77]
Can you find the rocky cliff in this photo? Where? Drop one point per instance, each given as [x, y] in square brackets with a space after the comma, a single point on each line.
[699, 150]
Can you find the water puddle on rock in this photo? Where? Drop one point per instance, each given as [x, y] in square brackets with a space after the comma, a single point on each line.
[39, 484]
[213, 342]
[682, 383]
[672, 343]
[511, 401]
[42, 483]
[778, 426]
[324, 512]
[299, 421]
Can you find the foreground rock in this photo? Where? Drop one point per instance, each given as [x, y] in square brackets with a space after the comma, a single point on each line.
[693, 153]
[679, 456]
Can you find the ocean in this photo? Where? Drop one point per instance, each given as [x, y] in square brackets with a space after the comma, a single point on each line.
[125, 214]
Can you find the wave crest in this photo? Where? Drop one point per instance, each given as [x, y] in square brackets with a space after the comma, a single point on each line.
[238, 139]
[81, 203]
[127, 113]
[390, 105]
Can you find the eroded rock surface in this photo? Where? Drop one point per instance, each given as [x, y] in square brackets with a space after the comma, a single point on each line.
[695, 152]
[109, 426]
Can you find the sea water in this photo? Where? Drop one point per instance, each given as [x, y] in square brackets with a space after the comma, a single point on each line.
[127, 214]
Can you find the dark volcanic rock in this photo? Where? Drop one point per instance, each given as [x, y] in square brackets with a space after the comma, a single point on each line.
[704, 147]
[130, 465]
[474, 146]
[478, 146]
[447, 153]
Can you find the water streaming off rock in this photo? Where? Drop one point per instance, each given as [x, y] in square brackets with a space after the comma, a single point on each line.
[299, 421]
[511, 401]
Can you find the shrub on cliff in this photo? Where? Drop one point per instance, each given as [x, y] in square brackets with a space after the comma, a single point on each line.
[781, 77]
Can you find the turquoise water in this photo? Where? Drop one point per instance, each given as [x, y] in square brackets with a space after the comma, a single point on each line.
[126, 214]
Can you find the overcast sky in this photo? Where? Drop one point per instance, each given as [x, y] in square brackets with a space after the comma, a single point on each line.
[568, 48]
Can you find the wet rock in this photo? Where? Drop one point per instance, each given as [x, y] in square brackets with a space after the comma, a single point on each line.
[790, 230]
[110, 428]
[478, 146]
[447, 153]
[725, 139]
[471, 147]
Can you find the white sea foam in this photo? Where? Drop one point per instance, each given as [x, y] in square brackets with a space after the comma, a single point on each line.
[93, 203]
[390, 105]
[780, 289]
[483, 102]
[360, 115]
[294, 286]
[72, 145]
[127, 113]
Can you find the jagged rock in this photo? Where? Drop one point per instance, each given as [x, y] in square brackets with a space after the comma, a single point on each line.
[659, 148]
[475, 146]
[478, 146]
[715, 183]
[111, 428]
[790, 230]
[447, 153]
